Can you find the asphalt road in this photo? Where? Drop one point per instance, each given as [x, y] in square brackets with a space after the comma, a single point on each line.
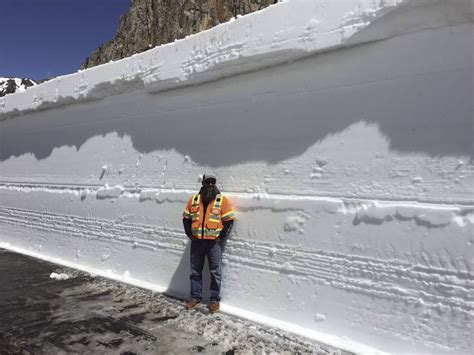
[85, 314]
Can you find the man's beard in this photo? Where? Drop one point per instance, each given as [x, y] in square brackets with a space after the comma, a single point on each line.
[209, 193]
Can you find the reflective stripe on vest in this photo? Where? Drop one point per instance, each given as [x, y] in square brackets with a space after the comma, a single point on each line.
[195, 207]
[196, 199]
[215, 214]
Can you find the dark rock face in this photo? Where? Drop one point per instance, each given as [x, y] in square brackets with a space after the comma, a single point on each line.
[149, 23]
[11, 85]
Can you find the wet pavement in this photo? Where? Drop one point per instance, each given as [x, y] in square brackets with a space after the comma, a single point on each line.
[93, 315]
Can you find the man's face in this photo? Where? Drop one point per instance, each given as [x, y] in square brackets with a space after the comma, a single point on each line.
[209, 182]
[209, 190]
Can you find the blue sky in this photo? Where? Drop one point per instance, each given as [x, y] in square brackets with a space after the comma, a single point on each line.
[43, 38]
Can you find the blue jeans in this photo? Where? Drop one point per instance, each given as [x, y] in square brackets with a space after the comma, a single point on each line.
[199, 250]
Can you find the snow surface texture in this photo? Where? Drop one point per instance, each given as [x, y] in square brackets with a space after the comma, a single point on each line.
[350, 164]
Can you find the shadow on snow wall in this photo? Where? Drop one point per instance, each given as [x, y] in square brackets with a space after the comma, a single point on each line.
[414, 88]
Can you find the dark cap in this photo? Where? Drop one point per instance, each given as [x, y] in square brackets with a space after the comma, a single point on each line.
[208, 176]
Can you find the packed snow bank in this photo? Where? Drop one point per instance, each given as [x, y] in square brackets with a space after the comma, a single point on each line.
[351, 168]
[287, 32]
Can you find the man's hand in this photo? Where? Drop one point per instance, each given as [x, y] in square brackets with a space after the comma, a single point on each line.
[187, 228]
[226, 230]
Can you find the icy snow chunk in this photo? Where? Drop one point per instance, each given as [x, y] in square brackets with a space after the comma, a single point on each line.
[109, 192]
[463, 221]
[56, 276]
[332, 206]
[435, 217]
[293, 223]
[376, 214]
[149, 194]
[426, 216]
[429, 217]
[459, 221]
[408, 211]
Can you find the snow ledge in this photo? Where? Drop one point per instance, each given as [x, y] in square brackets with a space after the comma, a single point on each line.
[281, 33]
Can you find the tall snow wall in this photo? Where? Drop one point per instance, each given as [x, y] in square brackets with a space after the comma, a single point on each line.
[341, 130]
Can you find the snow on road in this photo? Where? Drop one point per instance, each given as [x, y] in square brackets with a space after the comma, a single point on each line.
[342, 131]
[88, 314]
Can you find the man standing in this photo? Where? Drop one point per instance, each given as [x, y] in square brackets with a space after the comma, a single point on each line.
[207, 220]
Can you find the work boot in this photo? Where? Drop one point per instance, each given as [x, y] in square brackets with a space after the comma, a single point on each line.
[214, 307]
[192, 303]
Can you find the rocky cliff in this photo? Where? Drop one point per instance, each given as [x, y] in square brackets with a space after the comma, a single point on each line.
[149, 23]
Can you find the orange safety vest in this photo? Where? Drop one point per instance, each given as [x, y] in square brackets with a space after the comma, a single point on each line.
[209, 226]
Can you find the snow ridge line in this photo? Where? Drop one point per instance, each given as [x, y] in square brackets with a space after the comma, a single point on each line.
[288, 32]
[150, 192]
[428, 288]
[224, 50]
[93, 228]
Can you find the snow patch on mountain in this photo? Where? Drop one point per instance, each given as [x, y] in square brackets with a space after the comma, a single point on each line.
[12, 85]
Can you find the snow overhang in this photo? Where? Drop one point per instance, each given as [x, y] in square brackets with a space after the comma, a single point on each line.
[284, 32]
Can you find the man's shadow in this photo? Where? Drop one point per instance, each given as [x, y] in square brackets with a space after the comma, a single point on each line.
[180, 284]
